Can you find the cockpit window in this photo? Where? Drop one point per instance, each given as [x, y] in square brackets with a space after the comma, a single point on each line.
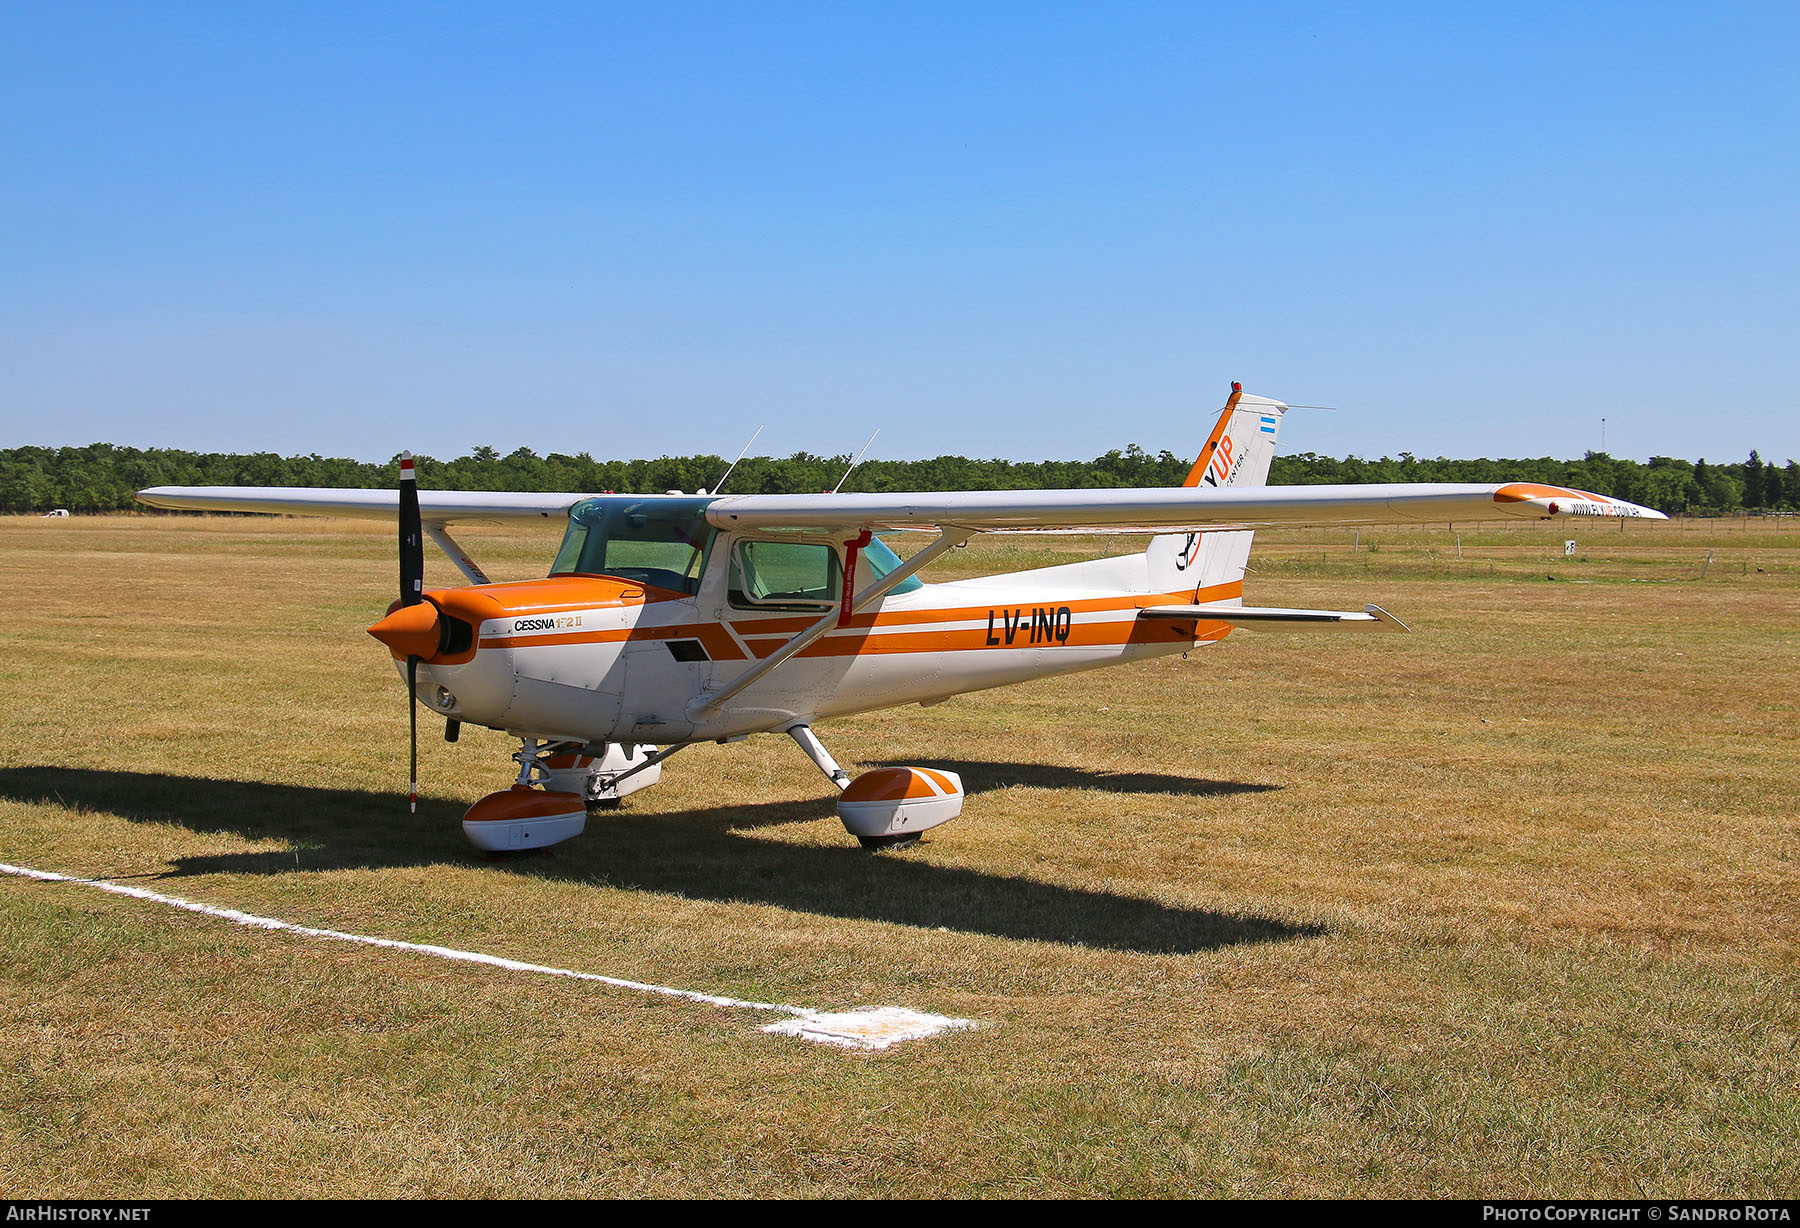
[660, 541]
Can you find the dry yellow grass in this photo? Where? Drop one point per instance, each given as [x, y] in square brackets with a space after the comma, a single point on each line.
[1505, 906]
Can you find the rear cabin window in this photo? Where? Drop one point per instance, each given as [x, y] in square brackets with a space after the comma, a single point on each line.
[660, 541]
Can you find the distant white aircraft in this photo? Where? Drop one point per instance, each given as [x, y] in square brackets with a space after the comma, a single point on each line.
[669, 620]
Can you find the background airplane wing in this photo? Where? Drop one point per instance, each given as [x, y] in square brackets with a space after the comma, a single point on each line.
[1170, 508]
[435, 506]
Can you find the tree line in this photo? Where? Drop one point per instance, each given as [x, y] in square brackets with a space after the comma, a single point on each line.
[101, 477]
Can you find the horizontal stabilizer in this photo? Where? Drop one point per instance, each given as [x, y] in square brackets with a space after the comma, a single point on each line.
[1275, 618]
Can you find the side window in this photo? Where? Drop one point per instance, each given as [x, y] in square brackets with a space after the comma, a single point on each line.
[785, 575]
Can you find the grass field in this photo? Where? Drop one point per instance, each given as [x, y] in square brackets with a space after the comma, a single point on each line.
[1506, 906]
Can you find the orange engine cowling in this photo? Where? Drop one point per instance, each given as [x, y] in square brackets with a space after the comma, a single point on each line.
[523, 818]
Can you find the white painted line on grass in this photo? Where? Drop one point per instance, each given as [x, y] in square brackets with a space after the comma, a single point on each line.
[873, 1027]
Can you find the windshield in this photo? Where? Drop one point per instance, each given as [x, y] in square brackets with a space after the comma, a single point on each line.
[881, 560]
[658, 540]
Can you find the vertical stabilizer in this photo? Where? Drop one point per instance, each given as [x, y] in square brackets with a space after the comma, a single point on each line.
[1238, 452]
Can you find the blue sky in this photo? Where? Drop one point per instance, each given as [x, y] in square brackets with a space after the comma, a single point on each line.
[1025, 230]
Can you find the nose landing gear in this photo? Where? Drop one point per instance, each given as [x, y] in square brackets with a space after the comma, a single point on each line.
[522, 817]
[558, 782]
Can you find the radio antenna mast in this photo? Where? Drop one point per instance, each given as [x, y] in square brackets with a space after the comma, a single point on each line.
[734, 464]
[856, 462]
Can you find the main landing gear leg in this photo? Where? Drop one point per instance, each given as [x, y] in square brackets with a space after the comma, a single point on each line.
[889, 807]
[815, 750]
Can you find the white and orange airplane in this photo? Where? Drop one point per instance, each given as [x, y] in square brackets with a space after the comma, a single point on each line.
[673, 619]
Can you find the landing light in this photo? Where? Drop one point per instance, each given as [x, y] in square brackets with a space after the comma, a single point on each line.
[444, 699]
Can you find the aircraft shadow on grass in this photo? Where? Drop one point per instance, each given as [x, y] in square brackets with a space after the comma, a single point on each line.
[984, 776]
[696, 853]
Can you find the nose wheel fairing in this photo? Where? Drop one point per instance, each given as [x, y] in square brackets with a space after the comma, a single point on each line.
[549, 801]
[521, 818]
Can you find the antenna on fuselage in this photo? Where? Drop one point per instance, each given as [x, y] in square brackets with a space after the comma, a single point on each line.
[856, 462]
[720, 484]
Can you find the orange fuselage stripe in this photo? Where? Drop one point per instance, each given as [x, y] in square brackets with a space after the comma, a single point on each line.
[757, 632]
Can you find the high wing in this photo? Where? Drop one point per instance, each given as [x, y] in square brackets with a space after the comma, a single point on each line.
[1168, 509]
[1152, 510]
[435, 506]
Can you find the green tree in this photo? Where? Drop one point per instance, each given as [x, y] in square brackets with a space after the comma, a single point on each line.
[1753, 480]
[1670, 487]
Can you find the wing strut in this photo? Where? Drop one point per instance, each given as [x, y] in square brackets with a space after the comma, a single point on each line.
[948, 538]
[440, 535]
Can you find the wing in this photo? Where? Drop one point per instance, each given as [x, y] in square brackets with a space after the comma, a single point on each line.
[1171, 508]
[435, 506]
[1155, 510]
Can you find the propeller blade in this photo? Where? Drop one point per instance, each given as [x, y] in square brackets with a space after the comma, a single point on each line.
[412, 592]
[412, 709]
[412, 536]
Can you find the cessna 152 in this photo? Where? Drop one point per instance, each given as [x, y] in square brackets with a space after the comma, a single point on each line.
[669, 620]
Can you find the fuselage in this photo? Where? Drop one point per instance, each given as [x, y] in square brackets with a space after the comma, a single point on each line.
[598, 657]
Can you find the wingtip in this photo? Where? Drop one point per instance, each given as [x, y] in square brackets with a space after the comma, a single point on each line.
[1388, 621]
[1562, 501]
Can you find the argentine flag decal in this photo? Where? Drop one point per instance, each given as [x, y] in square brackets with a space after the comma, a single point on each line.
[1268, 425]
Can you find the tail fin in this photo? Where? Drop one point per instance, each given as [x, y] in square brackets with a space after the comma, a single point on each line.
[1242, 444]
[1238, 452]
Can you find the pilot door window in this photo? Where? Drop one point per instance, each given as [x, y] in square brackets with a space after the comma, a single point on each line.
[785, 575]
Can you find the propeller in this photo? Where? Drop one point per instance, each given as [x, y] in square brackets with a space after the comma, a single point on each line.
[412, 586]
